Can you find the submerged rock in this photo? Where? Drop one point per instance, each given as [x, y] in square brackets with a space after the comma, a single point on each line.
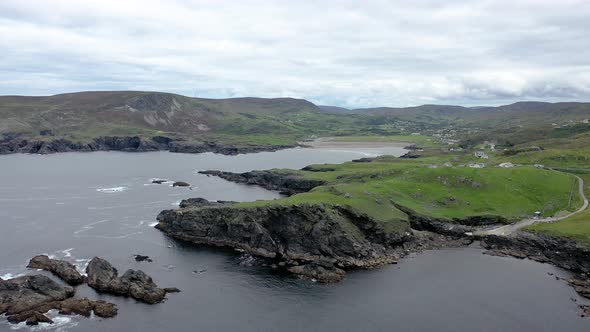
[65, 270]
[142, 258]
[103, 277]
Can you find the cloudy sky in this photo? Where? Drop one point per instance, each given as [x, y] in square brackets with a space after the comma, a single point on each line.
[346, 53]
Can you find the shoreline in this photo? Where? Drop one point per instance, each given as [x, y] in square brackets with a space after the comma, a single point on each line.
[160, 143]
[333, 142]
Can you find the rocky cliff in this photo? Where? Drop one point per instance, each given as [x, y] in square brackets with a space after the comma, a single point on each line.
[311, 240]
[15, 143]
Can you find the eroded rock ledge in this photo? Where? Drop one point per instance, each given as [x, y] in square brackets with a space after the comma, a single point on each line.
[287, 184]
[309, 240]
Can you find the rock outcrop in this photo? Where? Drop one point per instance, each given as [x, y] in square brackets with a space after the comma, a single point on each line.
[104, 278]
[29, 292]
[201, 202]
[65, 270]
[288, 184]
[28, 298]
[181, 184]
[310, 240]
[231, 150]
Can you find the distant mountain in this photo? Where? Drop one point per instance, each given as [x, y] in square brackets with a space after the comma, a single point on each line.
[82, 117]
[136, 112]
[333, 109]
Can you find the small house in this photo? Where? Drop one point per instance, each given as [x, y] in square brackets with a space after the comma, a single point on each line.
[537, 214]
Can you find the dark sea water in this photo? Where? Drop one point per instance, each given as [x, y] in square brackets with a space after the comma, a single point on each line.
[78, 205]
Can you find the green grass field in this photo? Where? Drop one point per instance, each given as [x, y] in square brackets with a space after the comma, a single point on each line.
[441, 192]
[576, 227]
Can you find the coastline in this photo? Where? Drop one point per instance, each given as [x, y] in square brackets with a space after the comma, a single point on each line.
[130, 144]
[335, 143]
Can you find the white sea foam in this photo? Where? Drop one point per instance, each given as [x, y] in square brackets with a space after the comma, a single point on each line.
[177, 203]
[90, 226]
[60, 323]
[153, 224]
[11, 276]
[67, 253]
[112, 189]
[81, 265]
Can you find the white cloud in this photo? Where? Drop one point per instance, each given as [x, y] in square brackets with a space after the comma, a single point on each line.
[349, 53]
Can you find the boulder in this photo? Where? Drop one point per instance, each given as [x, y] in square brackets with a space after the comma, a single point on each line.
[60, 268]
[29, 292]
[103, 277]
[181, 184]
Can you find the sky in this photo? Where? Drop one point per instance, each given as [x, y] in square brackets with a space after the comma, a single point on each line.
[351, 54]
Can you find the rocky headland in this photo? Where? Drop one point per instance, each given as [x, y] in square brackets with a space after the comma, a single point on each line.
[17, 143]
[314, 241]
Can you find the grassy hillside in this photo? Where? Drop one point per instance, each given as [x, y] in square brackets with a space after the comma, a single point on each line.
[450, 193]
[86, 115]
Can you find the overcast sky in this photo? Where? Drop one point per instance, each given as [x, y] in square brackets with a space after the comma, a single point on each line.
[346, 53]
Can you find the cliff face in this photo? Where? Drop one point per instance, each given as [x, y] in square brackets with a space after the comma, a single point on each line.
[320, 240]
[558, 251]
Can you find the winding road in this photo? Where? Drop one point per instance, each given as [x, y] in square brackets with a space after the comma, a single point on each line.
[509, 229]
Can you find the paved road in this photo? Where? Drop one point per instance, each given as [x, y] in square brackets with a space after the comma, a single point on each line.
[508, 229]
